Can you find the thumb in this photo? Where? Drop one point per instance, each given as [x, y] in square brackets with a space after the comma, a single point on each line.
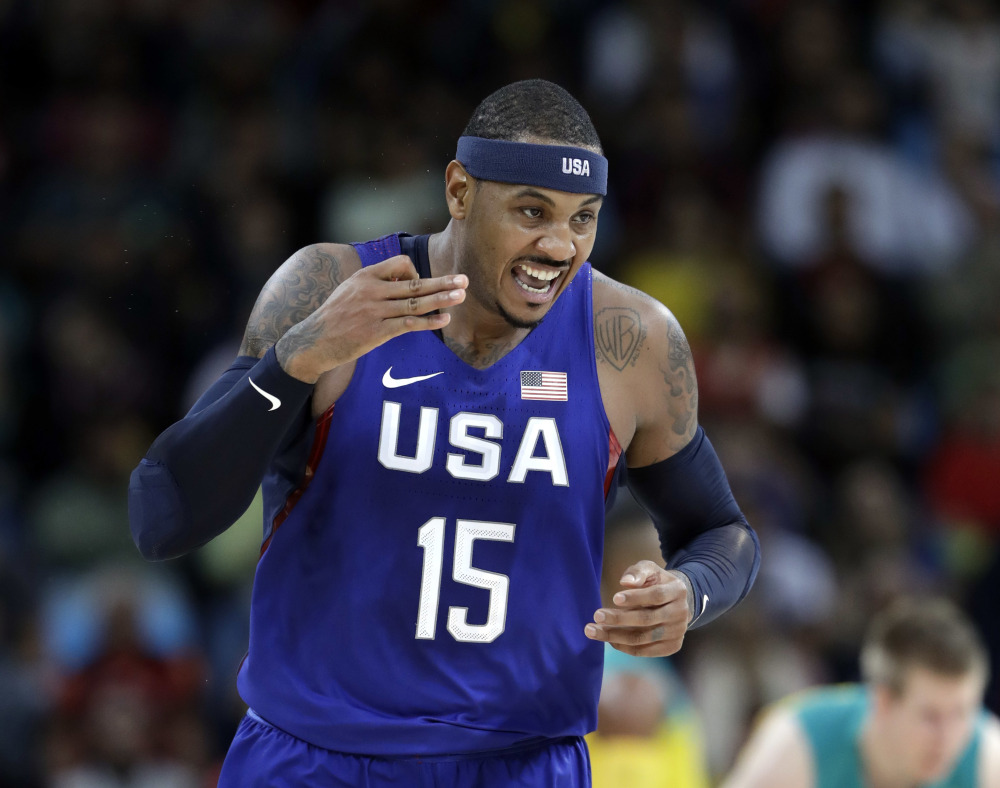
[640, 574]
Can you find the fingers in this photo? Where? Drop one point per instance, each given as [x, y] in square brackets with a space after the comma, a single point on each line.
[402, 300]
[651, 595]
[621, 623]
[410, 314]
[669, 612]
[650, 613]
[402, 292]
[402, 325]
[640, 574]
[661, 649]
[408, 288]
[373, 305]
[407, 302]
[394, 269]
[646, 584]
[660, 640]
[403, 281]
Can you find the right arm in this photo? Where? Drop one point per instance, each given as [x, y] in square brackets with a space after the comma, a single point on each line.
[776, 756]
[319, 312]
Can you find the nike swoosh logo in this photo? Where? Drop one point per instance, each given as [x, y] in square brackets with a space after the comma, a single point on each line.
[275, 402]
[394, 383]
[704, 605]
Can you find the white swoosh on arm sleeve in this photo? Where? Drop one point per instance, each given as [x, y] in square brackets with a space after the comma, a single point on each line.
[275, 402]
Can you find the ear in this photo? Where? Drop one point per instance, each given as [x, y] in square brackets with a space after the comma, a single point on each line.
[458, 189]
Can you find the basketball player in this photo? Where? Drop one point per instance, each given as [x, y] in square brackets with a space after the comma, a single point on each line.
[437, 422]
[919, 721]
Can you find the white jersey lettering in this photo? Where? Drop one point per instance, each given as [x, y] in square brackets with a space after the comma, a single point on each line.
[553, 461]
[388, 440]
[480, 458]
[459, 437]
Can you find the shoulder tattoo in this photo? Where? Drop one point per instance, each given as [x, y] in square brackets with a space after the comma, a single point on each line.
[682, 385]
[295, 291]
[618, 336]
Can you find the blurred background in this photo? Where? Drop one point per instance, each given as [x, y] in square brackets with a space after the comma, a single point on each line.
[812, 187]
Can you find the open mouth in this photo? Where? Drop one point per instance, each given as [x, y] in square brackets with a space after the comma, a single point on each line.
[535, 280]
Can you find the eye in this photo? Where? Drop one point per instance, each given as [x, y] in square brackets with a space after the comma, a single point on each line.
[585, 218]
[532, 212]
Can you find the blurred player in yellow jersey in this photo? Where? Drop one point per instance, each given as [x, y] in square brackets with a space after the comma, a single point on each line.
[916, 722]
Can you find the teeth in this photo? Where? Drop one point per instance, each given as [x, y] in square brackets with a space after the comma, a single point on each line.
[531, 289]
[545, 276]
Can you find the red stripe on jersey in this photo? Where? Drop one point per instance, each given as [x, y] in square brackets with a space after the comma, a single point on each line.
[614, 453]
[315, 453]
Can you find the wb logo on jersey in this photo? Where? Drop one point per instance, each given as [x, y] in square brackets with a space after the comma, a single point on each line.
[479, 458]
[575, 166]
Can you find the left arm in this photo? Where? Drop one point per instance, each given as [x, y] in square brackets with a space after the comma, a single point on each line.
[989, 754]
[712, 554]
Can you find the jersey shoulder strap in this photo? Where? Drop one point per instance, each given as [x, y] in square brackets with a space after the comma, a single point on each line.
[380, 249]
[831, 718]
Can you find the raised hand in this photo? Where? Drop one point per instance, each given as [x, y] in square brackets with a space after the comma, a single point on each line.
[370, 307]
[650, 614]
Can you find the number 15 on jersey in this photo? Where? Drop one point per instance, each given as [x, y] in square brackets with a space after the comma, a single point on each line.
[431, 538]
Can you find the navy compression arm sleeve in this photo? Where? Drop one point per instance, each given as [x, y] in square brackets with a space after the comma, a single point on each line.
[201, 474]
[702, 531]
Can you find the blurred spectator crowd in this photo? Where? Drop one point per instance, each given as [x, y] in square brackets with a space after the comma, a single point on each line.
[813, 187]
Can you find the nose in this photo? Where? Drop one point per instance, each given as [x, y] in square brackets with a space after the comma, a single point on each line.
[557, 242]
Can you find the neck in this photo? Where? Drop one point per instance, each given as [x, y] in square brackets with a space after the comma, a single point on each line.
[441, 250]
[880, 763]
[477, 333]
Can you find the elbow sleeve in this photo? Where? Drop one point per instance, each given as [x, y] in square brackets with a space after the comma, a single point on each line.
[702, 531]
[201, 473]
[155, 508]
[722, 565]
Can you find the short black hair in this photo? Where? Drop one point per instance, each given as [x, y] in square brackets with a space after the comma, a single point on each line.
[533, 108]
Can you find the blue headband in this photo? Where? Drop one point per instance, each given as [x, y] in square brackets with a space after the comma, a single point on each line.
[560, 167]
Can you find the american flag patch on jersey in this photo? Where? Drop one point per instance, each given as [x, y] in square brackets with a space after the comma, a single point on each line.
[543, 385]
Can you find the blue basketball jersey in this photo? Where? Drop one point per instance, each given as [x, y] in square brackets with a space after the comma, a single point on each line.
[425, 590]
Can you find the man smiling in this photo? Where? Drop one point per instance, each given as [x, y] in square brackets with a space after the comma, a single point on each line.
[456, 410]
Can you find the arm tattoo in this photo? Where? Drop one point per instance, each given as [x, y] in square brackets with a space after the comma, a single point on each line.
[296, 290]
[303, 337]
[681, 383]
[618, 336]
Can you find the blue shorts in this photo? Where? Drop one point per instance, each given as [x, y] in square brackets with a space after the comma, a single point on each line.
[266, 757]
